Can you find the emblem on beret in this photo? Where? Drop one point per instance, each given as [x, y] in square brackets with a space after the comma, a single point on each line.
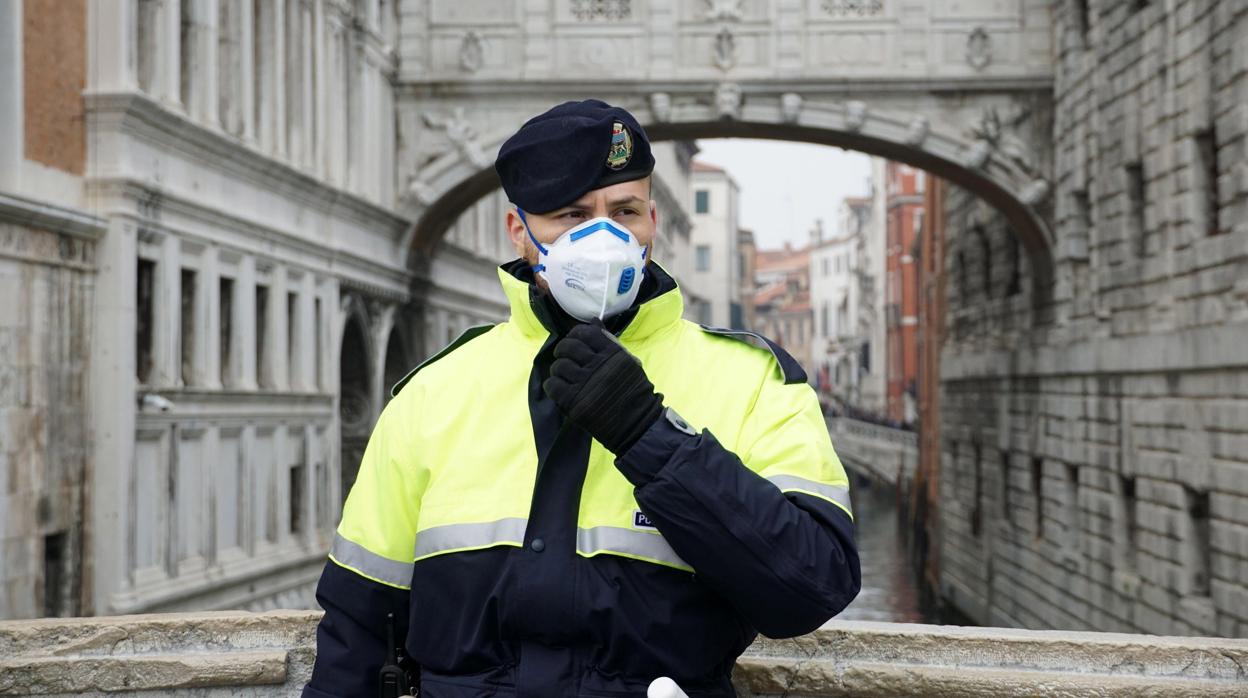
[621, 147]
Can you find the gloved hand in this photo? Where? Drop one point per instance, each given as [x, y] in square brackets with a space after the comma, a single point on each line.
[602, 388]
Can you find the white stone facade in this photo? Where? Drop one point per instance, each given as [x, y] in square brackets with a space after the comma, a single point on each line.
[241, 152]
[716, 268]
[835, 345]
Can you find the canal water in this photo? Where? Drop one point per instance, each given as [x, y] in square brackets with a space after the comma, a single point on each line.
[890, 588]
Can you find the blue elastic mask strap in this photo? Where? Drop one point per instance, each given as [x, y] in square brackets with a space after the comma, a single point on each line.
[525, 221]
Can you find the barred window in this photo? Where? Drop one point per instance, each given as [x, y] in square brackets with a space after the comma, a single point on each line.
[591, 10]
[853, 8]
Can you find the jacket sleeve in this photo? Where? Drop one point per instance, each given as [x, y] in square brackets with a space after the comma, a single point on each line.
[771, 528]
[368, 575]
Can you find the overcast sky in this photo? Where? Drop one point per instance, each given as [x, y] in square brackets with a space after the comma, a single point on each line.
[785, 186]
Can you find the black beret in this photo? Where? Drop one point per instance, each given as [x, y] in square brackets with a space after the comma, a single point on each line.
[575, 147]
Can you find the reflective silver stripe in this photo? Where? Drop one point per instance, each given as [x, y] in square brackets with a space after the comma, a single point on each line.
[837, 493]
[383, 569]
[609, 539]
[469, 536]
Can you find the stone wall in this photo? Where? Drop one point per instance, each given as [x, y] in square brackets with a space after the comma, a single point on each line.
[215, 655]
[45, 302]
[1095, 444]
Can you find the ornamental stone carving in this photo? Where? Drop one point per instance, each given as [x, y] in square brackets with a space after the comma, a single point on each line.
[725, 49]
[979, 48]
[728, 100]
[917, 132]
[853, 8]
[602, 10]
[855, 116]
[422, 192]
[996, 131]
[723, 10]
[471, 52]
[461, 133]
[977, 155]
[1035, 192]
[790, 106]
[661, 106]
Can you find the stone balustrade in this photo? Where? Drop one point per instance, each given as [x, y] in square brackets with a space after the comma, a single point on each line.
[213, 655]
[880, 453]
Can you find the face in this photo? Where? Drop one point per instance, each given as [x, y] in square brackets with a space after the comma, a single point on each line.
[626, 203]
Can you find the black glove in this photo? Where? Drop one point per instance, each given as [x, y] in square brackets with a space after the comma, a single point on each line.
[602, 388]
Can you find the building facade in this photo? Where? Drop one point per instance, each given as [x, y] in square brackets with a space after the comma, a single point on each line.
[782, 302]
[870, 227]
[835, 346]
[1094, 440]
[716, 247]
[903, 197]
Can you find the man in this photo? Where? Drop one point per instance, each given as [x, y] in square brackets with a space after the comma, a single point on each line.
[594, 493]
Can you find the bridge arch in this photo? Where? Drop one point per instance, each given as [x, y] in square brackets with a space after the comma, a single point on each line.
[981, 144]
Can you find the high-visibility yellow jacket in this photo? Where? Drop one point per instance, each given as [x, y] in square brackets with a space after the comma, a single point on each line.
[523, 559]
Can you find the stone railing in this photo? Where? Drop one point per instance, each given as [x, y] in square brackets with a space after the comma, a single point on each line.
[270, 654]
[880, 453]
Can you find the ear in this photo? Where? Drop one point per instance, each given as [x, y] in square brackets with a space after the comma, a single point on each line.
[516, 232]
[654, 213]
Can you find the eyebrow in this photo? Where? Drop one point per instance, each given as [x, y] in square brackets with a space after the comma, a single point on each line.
[578, 206]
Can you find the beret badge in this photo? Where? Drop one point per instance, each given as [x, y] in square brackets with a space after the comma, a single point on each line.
[621, 147]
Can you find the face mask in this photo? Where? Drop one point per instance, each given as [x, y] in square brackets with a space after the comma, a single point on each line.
[594, 270]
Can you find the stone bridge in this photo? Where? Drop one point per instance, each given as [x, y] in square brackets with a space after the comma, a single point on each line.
[961, 89]
[881, 454]
[222, 654]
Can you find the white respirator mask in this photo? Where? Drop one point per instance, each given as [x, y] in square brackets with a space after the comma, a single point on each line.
[593, 270]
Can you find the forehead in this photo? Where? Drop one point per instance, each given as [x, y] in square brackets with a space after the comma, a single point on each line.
[635, 189]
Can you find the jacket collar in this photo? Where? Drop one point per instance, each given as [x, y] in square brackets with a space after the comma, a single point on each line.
[659, 305]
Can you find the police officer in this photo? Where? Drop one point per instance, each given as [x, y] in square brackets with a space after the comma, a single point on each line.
[594, 493]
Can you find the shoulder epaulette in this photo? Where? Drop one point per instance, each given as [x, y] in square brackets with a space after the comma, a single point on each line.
[467, 336]
[789, 367]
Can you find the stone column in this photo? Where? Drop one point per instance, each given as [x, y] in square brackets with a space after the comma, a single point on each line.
[307, 91]
[110, 44]
[321, 102]
[210, 280]
[247, 68]
[112, 415]
[168, 88]
[279, 343]
[12, 116]
[245, 324]
[306, 327]
[382, 324]
[207, 91]
[275, 87]
[167, 314]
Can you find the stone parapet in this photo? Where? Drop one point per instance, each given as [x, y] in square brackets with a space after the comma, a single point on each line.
[271, 654]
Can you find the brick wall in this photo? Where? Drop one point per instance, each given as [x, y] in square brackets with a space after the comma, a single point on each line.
[1095, 465]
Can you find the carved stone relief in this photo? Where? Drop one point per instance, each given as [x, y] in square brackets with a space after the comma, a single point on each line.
[661, 106]
[853, 8]
[979, 48]
[790, 106]
[723, 10]
[728, 100]
[461, 133]
[917, 132]
[725, 49]
[471, 52]
[855, 115]
[602, 10]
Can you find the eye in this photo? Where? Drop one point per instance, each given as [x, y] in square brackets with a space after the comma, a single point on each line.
[573, 215]
[626, 212]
